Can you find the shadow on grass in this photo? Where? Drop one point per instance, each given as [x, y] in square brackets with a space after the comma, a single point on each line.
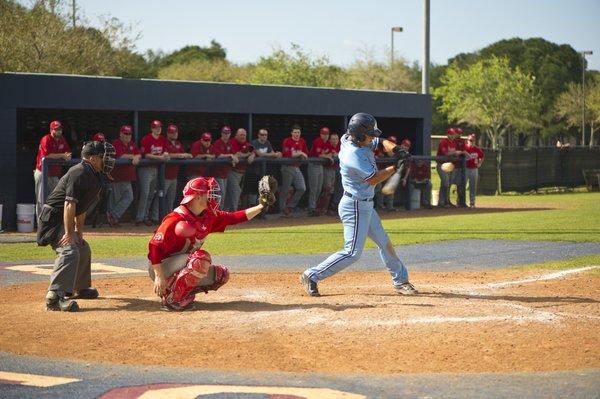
[148, 305]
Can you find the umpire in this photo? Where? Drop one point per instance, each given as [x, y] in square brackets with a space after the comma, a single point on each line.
[61, 226]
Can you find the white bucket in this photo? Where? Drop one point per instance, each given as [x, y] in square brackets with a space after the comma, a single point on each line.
[435, 197]
[25, 217]
[415, 199]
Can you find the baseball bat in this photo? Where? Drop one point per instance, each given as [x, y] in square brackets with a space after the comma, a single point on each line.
[392, 184]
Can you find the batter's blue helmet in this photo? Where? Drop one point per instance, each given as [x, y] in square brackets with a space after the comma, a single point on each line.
[362, 125]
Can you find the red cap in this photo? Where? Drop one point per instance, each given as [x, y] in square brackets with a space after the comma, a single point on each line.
[225, 129]
[99, 137]
[172, 128]
[450, 131]
[458, 131]
[155, 123]
[471, 137]
[206, 136]
[406, 143]
[324, 130]
[55, 125]
[393, 139]
[126, 129]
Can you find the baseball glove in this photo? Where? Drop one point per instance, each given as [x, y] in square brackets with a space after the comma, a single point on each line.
[267, 187]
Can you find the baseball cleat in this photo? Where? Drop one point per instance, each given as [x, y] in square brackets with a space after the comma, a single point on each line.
[406, 289]
[309, 286]
[60, 304]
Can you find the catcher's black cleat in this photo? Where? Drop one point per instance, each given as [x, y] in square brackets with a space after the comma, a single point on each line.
[60, 304]
[85, 293]
[309, 285]
[406, 289]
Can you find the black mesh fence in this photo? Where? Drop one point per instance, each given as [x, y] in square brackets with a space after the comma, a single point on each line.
[527, 169]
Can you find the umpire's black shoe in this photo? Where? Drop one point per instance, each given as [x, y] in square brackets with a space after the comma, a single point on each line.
[86, 293]
[60, 304]
[309, 285]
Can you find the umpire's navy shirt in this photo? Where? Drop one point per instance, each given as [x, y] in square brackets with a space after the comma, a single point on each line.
[81, 184]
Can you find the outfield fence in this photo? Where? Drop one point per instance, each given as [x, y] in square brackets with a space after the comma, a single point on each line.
[529, 169]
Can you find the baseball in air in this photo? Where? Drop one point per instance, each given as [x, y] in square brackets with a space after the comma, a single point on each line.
[448, 167]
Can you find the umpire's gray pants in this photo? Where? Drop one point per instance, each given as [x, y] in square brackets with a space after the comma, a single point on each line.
[291, 176]
[445, 180]
[315, 184]
[120, 197]
[234, 190]
[170, 192]
[472, 180]
[39, 201]
[223, 186]
[148, 181]
[72, 268]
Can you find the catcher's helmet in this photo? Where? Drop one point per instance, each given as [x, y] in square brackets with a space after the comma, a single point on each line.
[362, 125]
[199, 186]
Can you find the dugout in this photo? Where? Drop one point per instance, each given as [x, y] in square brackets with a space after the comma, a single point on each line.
[87, 104]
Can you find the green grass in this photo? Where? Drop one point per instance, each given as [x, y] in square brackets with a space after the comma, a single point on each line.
[550, 217]
[581, 261]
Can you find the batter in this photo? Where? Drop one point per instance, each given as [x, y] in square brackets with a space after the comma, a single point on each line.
[359, 176]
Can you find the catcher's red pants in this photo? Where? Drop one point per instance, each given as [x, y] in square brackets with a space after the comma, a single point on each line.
[197, 275]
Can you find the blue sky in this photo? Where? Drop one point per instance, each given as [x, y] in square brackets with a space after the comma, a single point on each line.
[342, 29]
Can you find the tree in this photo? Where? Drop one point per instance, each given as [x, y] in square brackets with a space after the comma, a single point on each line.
[207, 71]
[186, 54]
[554, 66]
[491, 96]
[568, 106]
[296, 68]
[368, 73]
[42, 39]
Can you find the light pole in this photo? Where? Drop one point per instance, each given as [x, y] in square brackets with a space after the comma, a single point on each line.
[583, 54]
[425, 73]
[394, 29]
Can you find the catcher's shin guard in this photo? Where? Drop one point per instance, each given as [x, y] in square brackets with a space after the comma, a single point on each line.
[182, 288]
[220, 276]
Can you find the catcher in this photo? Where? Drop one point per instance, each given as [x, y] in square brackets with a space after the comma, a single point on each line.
[178, 266]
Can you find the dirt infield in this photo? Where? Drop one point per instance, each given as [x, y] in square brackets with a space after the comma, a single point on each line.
[496, 321]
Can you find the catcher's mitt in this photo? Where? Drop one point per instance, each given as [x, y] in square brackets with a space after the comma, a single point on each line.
[267, 187]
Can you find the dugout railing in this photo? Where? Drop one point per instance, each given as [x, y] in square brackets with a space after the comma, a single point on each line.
[264, 162]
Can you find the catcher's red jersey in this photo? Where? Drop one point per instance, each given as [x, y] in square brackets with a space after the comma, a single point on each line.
[166, 242]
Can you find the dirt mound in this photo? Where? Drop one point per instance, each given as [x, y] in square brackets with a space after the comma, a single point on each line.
[461, 322]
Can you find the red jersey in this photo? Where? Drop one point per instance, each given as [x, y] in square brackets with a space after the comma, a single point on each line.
[446, 146]
[476, 154]
[334, 151]
[244, 148]
[124, 172]
[150, 145]
[166, 243]
[420, 173]
[290, 146]
[220, 147]
[48, 145]
[319, 147]
[198, 148]
[171, 171]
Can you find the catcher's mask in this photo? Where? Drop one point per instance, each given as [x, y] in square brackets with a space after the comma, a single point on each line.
[199, 186]
[101, 149]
